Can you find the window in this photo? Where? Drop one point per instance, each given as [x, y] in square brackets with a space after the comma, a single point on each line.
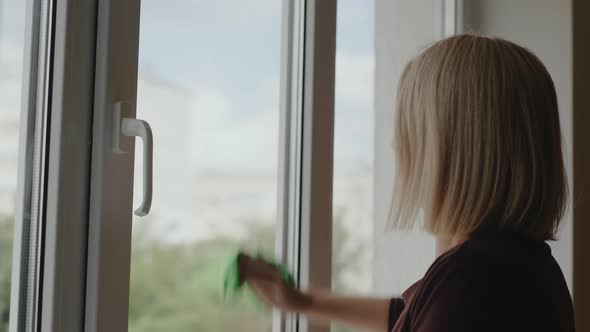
[353, 226]
[25, 59]
[11, 64]
[353, 148]
[215, 81]
[209, 78]
[51, 201]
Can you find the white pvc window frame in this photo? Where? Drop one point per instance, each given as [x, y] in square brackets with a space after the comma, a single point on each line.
[66, 222]
[453, 22]
[31, 167]
[111, 185]
[304, 239]
[49, 260]
[307, 94]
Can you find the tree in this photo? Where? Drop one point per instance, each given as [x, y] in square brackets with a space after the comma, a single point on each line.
[6, 234]
[176, 287]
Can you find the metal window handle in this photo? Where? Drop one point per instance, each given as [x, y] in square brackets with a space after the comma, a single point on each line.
[135, 127]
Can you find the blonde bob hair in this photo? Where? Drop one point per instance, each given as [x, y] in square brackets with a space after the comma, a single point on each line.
[477, 141]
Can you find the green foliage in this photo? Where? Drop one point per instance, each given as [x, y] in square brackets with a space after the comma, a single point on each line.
[177, 287]
[346, 253]
[6, 230]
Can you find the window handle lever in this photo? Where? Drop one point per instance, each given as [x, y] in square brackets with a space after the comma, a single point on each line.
[134, 127]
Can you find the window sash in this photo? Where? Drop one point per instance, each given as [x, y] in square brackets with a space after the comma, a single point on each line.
[49, 260]
[111, 185]
[31, 176]
[452, 17]
[68, 167]
[306, 142]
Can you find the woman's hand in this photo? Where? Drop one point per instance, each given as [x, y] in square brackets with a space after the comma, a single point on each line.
[319, 306]
[267, 282]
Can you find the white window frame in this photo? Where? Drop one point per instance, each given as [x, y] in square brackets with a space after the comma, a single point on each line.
[304, 240]
[111, 184]
[49, 259]
[453, 22]
[66, 218]
[30, 174]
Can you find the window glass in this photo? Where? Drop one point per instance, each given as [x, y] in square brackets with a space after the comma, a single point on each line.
[208, 86]
[352, 261]
[11, 54]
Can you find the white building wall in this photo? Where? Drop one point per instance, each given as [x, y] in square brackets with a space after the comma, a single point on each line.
[10, 106]
[545, 27]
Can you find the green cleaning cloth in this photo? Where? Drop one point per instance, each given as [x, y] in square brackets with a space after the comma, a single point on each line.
[234, 285]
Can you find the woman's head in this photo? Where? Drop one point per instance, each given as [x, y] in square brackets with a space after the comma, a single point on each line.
[477, 140]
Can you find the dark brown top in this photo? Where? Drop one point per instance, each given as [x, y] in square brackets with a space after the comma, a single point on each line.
[495, 281]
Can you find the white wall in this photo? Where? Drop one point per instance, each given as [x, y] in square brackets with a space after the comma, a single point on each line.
[545, 27]
[403, 28]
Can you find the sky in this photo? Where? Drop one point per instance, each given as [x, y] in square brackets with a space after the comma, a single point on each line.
[227, 54]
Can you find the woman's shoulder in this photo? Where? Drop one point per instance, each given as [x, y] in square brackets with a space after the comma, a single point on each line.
[497, 278]
[495, 251]
[496, 263]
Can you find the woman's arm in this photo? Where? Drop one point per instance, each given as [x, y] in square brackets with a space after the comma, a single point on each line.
[368, 313]
[318, 306]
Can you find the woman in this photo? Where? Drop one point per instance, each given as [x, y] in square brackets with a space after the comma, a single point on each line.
[479, 162]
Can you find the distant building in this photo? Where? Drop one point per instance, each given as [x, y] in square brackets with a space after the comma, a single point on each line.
[10, 105]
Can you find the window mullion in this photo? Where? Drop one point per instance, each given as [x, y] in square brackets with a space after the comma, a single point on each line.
[306, 156]
[317, 148]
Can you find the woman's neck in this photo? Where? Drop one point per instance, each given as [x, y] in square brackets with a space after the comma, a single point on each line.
[444, 243]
